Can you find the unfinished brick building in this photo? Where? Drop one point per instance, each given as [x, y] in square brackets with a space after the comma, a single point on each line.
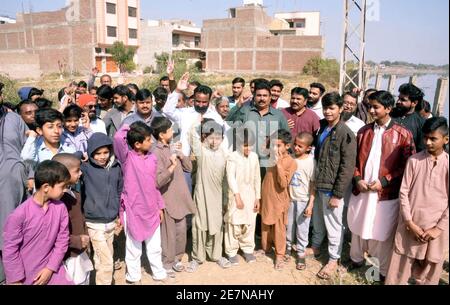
[73, 39]
[251, 41]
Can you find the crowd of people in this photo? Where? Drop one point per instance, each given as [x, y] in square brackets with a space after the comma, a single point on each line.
[113, 168]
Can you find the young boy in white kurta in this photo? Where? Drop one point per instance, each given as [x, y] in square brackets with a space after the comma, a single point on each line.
[209, 195]
[244, 182]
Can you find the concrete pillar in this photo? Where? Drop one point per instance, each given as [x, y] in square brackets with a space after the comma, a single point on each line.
[413, 79]
[378, 81]
[440, 96]
[391, 86]
[366, 79]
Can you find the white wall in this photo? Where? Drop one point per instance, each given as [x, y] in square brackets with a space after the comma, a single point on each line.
[312, 24]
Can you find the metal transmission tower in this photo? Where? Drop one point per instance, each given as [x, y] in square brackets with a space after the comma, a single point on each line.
[353, 45]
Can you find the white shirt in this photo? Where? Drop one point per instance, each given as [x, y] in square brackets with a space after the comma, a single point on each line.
[281, 104]
[185, 118]
[318, 109]
[355, 124]
[98, 126]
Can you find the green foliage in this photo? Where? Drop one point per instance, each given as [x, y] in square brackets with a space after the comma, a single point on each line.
[123, 56]
[148, 70]
[388, 63]
[181, 66]
[326, 70]
[10, 89]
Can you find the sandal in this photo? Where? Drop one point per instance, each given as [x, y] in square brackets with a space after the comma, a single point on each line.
[301, 263]
[193, 266]
[327, 271]
[178, 267]
[224, 263]
[287, 258]
[279, 265]
[310, 253]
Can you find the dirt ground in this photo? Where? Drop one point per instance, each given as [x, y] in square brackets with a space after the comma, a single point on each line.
[262, 272]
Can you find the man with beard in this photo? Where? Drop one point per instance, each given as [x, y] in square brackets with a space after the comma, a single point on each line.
[348, 115]
[299, 117]
[187, 118]
[316, 92]
[27, 109]
[89, 117]
[104, 98]
[144, 109]
[124, 108]
[238, 85]
[404, 112]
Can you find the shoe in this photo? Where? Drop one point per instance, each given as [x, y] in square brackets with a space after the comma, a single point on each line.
[165, 280]
[133, 283]
[170, 273]
[234, 260]
[117, 265]
[279, 265]
[224, 263]
[193, 266]
[249, 258]
[178, 267]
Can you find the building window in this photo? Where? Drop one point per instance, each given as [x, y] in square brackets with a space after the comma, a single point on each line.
[197, 41]
[111, 8]
[175, 40]
[132, 33]
[112, 31]
[132, 12]
[98, 50]
[300, 24]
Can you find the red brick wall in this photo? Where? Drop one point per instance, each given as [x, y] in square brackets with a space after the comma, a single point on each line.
[53, 37]
[248, 35]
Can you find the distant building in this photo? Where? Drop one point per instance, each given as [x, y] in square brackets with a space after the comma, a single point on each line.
[251, 41]
[72, 39]
[167, 36]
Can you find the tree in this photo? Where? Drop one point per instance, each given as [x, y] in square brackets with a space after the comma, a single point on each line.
[123, 56]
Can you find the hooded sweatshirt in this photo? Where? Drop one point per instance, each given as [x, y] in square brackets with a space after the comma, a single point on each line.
[102, 186]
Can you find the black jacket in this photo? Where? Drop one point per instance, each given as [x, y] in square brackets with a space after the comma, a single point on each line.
[414, 123]
[336, 159]
[102, 186]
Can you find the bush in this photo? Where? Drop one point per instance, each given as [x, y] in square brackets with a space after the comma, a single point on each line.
[148, 70]
[10, 89]
[326, 70]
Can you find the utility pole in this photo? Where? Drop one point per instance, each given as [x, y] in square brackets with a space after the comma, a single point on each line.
[353, 45]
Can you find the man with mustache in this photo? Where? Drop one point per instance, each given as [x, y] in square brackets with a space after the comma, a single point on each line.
[316, 91]
[144, 109]
[348, 115]
[405, 113]
[187, 118]
[299, 117]
[89, 117]
[124, 108]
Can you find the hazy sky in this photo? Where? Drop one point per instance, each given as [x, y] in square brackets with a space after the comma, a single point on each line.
[407, 30]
